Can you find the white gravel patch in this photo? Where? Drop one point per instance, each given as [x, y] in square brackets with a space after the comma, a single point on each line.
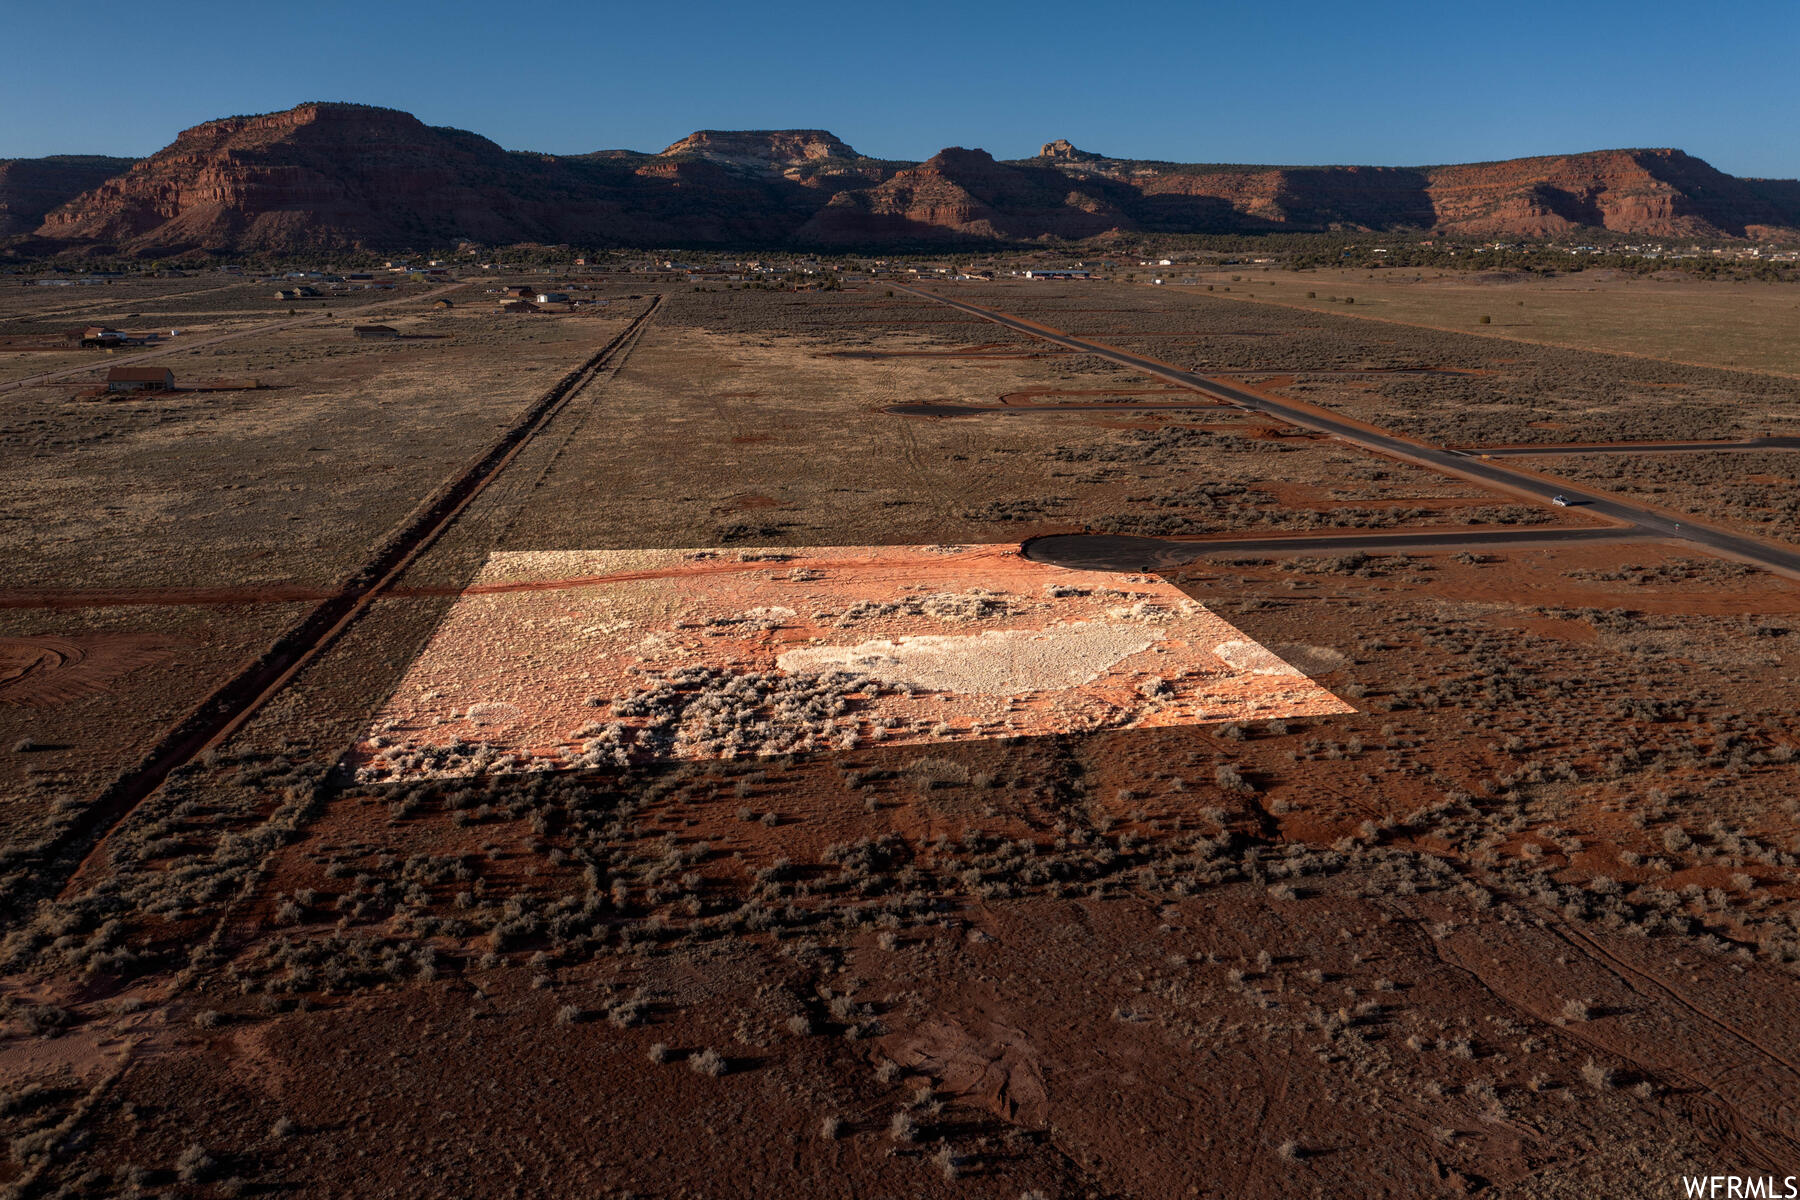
[1252, 657]
[999, 662]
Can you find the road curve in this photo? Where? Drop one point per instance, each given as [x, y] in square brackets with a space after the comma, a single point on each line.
[1462, 464]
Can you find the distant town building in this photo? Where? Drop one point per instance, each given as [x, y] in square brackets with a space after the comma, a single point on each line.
[518, 306]
[443, 304]
[375, 333]
[519, 291]
[1040, 273]
[139, 379]
[96, 335]
[553, 298]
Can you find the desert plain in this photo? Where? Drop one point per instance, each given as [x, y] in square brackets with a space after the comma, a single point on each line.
[559, 754]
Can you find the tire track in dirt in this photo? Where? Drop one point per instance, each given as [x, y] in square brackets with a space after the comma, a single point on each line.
[607, 372]
[232, 704]
[1628, 973]
[1754, 1131]
[912, 468]
[1253, 1144]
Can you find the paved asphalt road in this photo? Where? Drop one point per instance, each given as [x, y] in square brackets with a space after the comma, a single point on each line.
[1450, 462]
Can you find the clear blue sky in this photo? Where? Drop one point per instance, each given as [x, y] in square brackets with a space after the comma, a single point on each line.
[1301, 82]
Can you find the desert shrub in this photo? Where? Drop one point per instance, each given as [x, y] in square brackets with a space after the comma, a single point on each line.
[1228, 777]
[195, 1164]
[1598, 1077]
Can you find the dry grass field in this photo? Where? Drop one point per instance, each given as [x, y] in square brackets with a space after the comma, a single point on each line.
[1521, 923]
[1744, 326]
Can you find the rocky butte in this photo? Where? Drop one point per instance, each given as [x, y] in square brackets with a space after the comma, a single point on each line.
[31, 187]
[333, 175]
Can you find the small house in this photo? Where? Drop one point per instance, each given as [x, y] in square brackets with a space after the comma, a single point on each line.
[519, 293]
[96, 335]
[518, 306]
[443, 304]
[553, 298]
[375, 333]
[140, 379]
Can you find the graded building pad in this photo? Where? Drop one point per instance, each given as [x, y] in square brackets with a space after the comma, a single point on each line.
[585, 659]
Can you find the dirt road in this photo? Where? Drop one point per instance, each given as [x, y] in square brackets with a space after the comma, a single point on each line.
[227, 709]
[182, 346]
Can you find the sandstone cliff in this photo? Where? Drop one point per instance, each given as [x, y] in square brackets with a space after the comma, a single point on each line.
[31, 187]
[762, 147]
[328, 176]
[965, 195]
[1652, 193]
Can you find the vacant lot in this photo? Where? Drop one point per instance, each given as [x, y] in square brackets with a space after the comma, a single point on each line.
[1742, 325]
[1522, 924]
[169, 538]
